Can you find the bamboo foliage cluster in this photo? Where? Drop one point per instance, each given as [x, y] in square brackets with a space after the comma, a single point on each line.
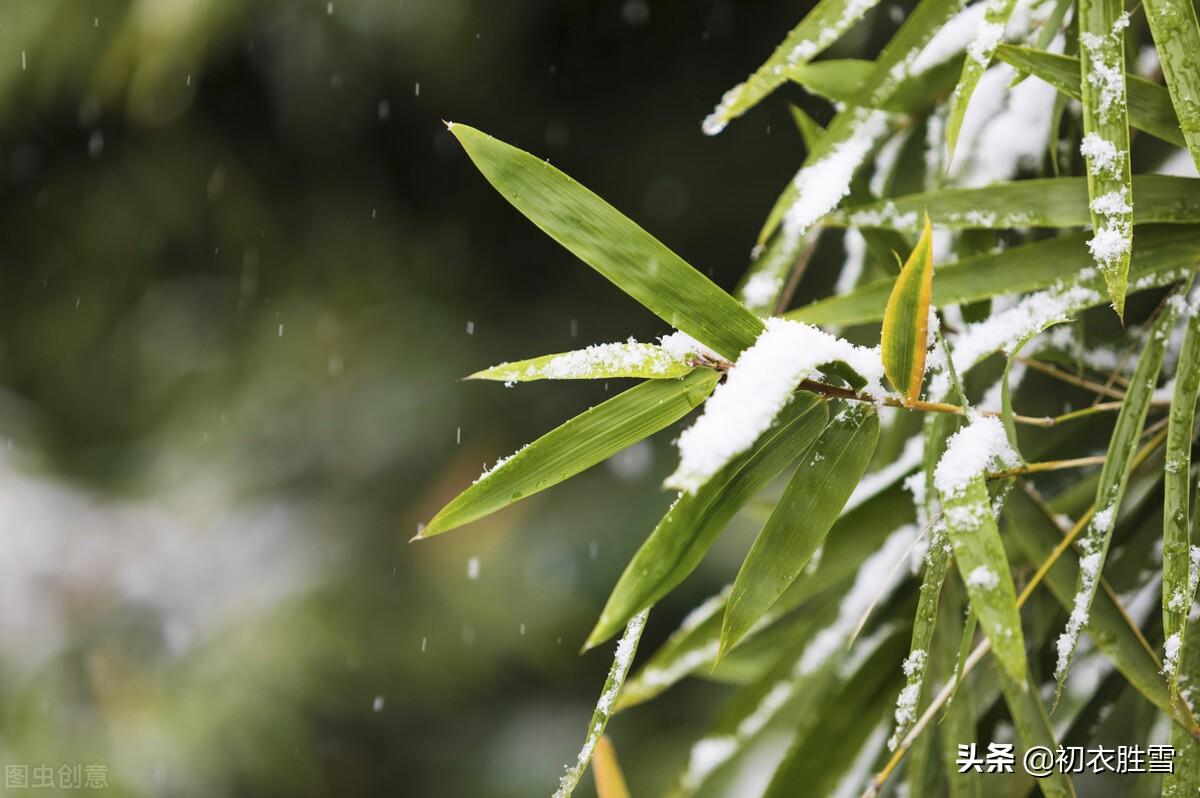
[931, 563]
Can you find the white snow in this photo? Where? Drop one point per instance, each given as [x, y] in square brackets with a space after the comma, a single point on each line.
[759, 385]
[852, 268]
[1003, 130]
[1109, 244]
[985, 42]
[1102, 155]
[971, 452]
[473, 568]
[821, 185]
[761, 289]
[681, 346]
[1089, 569]
[1004, 329]
[983, 577]
[1171, 648]
[1111, 204]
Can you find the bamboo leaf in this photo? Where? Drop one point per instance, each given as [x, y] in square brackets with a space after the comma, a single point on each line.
[820, 763]
[610, 782]
[828, 169]
[1033, 728]
[610, 243]
[693, 647]
[1178, 591]
[601, 361]
[1163, 255]
[589, 438]
[905, 335]
[979, 554]
[1177, 40]
[810, 130]
[682, 537]
[622, 659]
[841, 80]
[828, 472]
[821, 27]
[1149, 104]
[979, 55]
[1185, 776]
[1049, 202]
[1036, 537]
[1105, 146]
[1114, 476]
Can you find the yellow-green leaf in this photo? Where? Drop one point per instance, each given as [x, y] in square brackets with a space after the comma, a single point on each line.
[905, 335]
[602, 361]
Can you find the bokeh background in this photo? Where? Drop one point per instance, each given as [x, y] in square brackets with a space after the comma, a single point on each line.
[242, 269]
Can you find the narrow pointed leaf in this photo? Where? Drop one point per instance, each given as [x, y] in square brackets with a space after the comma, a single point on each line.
[1163, 255]
[1149, 104]
[979, 56]
[622, 660]
[828, 472]
[810, 130]
[979, 554]
[1033, 729]
[821, 27]
[600, 236]
[841, 80]
[1036, 537]
[1105, 146]
[1178, 582]
[1185, 776]
[589, 438]
[1177, 41]
[686, 532]
[905, 335]
[1114, 477]
[1050, 202]
[602, 361]
[828, 169]
[693, 647]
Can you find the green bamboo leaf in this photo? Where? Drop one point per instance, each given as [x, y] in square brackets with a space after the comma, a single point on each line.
[1049, 202]
[693, 648]
[828, 472]
[682, 537]
[979, 56]
[1178, 591]
[821, 763]
[1163, 255]
[828, 169]
[1033, 728]
[808, 671]
[979, 554]
[622, 660]
[1114, 476]
[905, 336]
[589, 438]
[1036, 537]
[610, 243]
[810, 130]
[1185, 777]
[1105, 145]
[959, 721]
[1149, 104]
[601, 361]
[841, 80]
[821, 27]
[938, 429]
[1177, 40]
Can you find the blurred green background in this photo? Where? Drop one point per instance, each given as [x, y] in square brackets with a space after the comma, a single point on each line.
[242, 267]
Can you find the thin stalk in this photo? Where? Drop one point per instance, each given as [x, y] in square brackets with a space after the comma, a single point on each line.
[1048, 465]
